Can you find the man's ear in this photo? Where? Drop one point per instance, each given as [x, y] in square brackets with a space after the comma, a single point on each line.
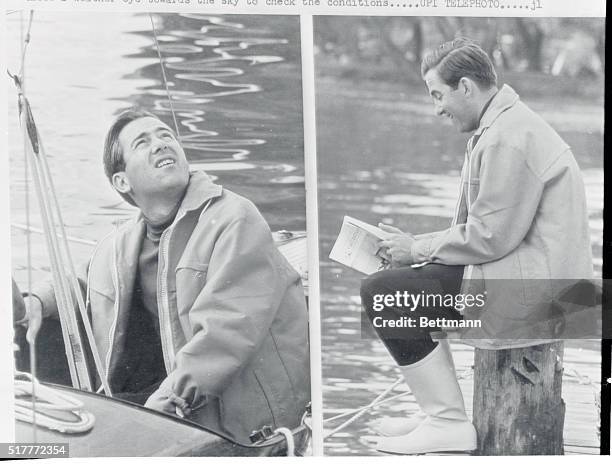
[121, 182]
[466, 85]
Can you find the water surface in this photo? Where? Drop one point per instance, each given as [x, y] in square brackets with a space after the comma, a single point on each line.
[235, 82]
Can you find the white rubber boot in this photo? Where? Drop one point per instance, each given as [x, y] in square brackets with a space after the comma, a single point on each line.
[433, 382]
[395, 426]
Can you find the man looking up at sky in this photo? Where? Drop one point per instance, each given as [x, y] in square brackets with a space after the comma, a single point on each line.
[194, 310]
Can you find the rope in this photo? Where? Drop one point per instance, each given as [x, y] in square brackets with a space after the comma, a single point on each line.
[49, 401]
[74, 281]
[66, 286]
[59, 252]
[74, 351]
[367, 407]
[306, 422]
[163, 70]
[378, 401]
[288, 434]
[364, 410]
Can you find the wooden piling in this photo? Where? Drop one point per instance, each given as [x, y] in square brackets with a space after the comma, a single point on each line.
[518, 409]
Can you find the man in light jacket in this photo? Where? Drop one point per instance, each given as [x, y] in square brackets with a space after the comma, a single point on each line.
[194, 310]
[519, 232]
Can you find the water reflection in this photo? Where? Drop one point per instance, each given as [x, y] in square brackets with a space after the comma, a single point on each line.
[235, 83]
[230, 105]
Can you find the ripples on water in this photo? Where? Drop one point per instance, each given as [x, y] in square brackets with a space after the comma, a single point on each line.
[236, 90]
[235, 83]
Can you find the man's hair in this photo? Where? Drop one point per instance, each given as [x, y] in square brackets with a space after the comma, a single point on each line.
[460, 58]
[113, 154]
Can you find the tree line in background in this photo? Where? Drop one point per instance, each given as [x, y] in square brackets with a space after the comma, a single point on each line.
[573, 47]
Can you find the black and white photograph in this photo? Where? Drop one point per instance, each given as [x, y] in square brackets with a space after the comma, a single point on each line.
[158, 233]
[460, 172]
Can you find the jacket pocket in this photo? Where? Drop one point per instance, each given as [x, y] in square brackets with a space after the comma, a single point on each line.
[535, 276]
[275, 384]
[190, 280]
[244, 407]
[505, 276]
[192, 266]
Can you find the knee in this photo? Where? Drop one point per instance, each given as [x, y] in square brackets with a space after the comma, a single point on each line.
[371, 286]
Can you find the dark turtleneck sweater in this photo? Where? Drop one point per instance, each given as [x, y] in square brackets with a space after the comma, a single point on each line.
[142, 367]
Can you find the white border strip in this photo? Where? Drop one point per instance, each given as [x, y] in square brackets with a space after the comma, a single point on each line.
[312, 230]
[474, 8]
[7, 420]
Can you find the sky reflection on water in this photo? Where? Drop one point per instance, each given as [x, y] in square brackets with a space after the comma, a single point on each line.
[235, 82]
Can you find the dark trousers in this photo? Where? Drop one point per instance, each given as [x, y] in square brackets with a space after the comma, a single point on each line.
[408, 345]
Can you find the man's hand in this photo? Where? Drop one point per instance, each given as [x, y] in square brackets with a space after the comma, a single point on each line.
[397, 247]
[168, 402]
[27, 311]
[165, 400]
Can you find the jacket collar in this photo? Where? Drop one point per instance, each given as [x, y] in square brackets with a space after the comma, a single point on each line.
[199, 190]
[504, 99]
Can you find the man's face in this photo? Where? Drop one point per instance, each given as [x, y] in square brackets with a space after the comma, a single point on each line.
[154, 158]
[452, 103]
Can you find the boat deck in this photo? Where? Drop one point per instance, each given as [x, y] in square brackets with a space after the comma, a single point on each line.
[124, 429]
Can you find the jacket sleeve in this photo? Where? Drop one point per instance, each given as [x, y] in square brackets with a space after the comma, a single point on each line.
[498, 219]
[233, 313]
[429, 235]
[45, 292]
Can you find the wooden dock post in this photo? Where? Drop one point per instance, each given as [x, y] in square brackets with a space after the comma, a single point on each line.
[518, 409]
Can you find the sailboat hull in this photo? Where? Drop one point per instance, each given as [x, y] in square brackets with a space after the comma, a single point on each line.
[123, 428]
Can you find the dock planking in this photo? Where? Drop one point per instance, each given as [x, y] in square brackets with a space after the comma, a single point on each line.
[580, 388]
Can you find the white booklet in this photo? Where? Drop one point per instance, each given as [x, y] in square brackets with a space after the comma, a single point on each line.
[357, 246]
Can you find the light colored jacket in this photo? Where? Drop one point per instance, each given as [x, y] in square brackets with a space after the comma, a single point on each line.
[232, 314]
[521, 217]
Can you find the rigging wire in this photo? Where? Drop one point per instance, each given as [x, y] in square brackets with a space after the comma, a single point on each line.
[74, 281]
[59, 252]
[32, 148]
[72, 341]
[31, 343]
[165, 79]
[36, 230]
[25, 41]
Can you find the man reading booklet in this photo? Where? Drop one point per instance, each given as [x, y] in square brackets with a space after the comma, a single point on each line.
[521, 216]
[357, 246]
